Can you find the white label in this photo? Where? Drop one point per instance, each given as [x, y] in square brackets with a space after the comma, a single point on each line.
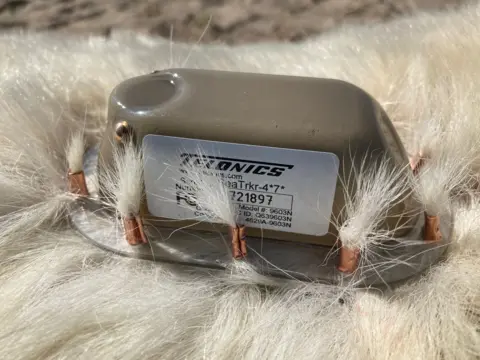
[269, 188]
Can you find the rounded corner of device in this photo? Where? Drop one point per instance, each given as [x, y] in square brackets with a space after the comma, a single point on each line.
[352, 86]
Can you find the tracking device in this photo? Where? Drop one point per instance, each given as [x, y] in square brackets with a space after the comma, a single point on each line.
[276, 148]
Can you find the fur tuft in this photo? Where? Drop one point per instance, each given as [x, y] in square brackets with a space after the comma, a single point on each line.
[445, 175]
[378, 188]
[123, 182]
[75, 150]
[211, 195]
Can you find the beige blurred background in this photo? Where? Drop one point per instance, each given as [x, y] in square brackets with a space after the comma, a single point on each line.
[229, 21]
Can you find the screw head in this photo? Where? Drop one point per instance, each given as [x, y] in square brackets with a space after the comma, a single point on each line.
[121, 130]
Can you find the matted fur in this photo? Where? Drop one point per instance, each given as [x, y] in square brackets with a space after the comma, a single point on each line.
[62, 298]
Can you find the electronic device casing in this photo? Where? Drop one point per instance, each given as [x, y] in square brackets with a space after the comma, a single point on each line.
[292, 112]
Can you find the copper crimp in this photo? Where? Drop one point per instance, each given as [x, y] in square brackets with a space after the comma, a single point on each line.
[134, 232]
[431, 230]
[348, 259]
[239, 243]
[242, 236]
[77, 183]
[416, 163]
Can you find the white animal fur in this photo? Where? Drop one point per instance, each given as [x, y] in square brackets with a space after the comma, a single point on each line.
[444, 174]
[123, 183]
[211, 195]
[379, 187]
[74, 152]
[63, 298]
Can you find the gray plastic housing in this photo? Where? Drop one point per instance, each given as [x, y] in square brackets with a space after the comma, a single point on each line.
[270, 110]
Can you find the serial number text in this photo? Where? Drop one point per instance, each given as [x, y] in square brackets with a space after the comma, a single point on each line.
[251, 198]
